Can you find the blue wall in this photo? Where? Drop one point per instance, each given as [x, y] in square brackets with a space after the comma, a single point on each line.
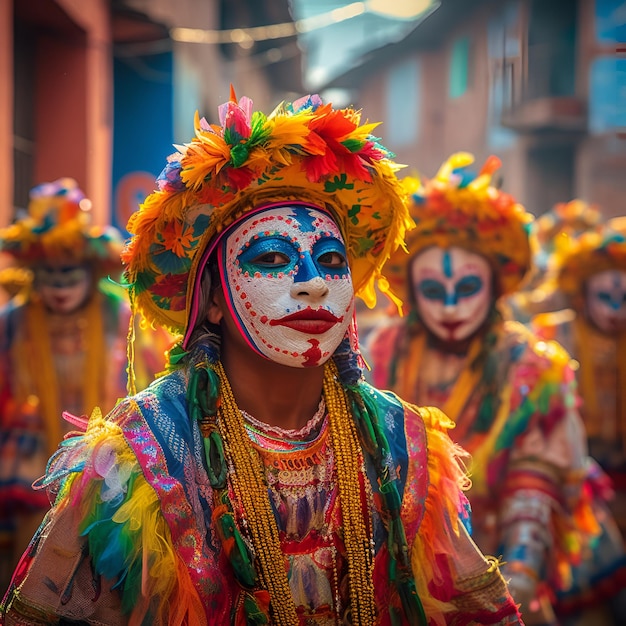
[142, 129]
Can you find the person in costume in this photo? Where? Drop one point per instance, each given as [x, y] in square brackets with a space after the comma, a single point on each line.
[590, 273]
[511, 396]
[62, 345]
[262, 481]
[538, 294]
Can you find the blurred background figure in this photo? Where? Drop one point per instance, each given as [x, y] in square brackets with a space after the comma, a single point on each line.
[512, 395]
[590, 275]
[538, 293]
[62, 345]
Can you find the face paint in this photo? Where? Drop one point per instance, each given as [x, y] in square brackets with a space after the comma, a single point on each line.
[606, 300]
[452, 291]
[63, 288]
[288, 285]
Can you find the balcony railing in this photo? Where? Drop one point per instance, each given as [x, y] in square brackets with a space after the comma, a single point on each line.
[542, 98]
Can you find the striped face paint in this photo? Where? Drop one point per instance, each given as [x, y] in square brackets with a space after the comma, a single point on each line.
[606, 300]
[288, 284]
[452, 290]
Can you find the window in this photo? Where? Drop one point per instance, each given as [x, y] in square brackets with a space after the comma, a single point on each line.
[403, 100]
[610, 22]
[460, 67]
[607, 95]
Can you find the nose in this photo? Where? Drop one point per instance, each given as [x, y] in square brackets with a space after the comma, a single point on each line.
[316, 288]
[450, 303]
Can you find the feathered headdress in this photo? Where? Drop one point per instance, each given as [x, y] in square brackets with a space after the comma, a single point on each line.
[304, 151]
[460, 207]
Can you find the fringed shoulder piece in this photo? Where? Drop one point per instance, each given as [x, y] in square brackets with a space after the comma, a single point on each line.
[128, 538]
[454, 580]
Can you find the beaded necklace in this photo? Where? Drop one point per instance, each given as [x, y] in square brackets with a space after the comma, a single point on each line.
[285, 439]
[259, 568]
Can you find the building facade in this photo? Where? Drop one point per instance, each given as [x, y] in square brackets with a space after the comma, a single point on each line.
[540, 84]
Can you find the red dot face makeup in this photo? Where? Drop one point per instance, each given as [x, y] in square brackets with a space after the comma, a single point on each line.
[289, 285]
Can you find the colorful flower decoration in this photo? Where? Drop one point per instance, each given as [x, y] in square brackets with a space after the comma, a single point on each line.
[304, 151]
[58, 229]
[461, 207]
[576, 259]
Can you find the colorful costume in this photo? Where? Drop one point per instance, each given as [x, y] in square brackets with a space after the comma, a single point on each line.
[512, 397]
[55, 360]
[601, 352]
[181, 508]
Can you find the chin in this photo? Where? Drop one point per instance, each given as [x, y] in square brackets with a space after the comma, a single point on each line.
[455, 344]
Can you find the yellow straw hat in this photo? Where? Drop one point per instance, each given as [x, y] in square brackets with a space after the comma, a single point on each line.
[58, 228]
[564, 219]
[576, 259]
[461, 207]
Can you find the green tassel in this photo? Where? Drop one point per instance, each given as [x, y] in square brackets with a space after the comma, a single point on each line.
[400, 572]
[254, 615]
[176, 354]
[239, 555]
[215, 462]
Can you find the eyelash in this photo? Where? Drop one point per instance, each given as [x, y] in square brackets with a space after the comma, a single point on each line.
[331, 259]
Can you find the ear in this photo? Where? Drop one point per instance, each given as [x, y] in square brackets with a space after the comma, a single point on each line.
[215, 312]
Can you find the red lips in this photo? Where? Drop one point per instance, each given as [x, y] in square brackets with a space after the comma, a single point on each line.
[451, 326]
[308, 321]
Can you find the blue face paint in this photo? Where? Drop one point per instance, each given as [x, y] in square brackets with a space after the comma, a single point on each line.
[613, 300]
[269, 255]
[329, 255]
[447, 264]
[433, 289]
[274, 253]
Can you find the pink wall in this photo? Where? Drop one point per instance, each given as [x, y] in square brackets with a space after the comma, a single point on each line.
[60, 115]
[73, 97]
[6, 111]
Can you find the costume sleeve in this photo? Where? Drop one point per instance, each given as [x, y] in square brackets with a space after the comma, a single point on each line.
[104, 554]
[458, 584]
[547, 519]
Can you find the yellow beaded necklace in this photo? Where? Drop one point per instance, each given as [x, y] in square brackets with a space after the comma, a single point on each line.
[248, 481]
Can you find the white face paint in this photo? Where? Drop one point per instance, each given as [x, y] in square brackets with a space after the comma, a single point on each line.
[63, 288]
[452, 290]
[606, 300]
[288, 284]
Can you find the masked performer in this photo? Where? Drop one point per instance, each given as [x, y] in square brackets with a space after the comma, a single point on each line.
[62, 345]
[539, 293]
[511, 396]
[591, 275]
[262, 480]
